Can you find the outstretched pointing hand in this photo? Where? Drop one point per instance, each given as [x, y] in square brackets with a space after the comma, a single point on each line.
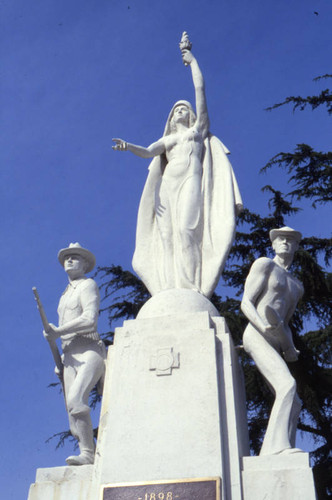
[120, 145]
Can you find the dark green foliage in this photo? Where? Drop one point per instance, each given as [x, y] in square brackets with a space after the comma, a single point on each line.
[310, 173]
[133, 293]
[324, 98]
[315, 303]
[62, 438]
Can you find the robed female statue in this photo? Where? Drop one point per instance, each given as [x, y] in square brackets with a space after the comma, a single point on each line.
[187, 213]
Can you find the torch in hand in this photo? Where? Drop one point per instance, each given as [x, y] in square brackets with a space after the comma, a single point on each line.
[185, 44]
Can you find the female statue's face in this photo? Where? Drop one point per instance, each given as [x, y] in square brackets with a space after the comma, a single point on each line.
[181, 114]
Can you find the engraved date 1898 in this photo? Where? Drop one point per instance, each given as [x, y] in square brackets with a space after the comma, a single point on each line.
[159, 496]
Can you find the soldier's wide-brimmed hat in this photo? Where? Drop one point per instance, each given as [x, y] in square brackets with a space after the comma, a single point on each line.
[285, 230]
[76, 249]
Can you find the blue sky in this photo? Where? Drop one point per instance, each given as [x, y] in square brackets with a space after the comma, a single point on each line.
[77, 73]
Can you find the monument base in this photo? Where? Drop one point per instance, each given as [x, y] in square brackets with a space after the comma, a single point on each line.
[173, 412]
[62, 483]
[174, 403]
[278, 477]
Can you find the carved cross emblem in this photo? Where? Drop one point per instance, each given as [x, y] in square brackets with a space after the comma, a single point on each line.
[164, 361]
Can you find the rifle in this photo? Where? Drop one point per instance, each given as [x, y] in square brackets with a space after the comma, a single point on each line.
[52, 342]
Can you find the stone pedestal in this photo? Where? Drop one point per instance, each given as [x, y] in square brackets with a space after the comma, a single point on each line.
[173, 404]
[278, 477]
[62, 483]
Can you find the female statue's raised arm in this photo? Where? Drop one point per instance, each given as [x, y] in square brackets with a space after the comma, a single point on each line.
[202, 122]
[155, 149]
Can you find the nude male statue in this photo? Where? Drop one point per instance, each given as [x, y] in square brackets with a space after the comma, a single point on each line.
[270, 297]
[84, 352]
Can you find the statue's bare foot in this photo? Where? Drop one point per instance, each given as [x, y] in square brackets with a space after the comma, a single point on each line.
[84, 458]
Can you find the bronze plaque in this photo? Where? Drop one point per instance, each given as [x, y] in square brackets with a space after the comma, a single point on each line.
[183, 489]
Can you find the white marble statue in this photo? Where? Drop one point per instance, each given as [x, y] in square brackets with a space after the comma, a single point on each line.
[270, 297]
[84, 352]
[186, 219]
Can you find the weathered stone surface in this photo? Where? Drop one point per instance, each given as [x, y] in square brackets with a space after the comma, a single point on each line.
[278, 477]
[62, 483]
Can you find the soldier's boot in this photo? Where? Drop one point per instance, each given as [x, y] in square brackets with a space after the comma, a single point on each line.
[85, 441]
